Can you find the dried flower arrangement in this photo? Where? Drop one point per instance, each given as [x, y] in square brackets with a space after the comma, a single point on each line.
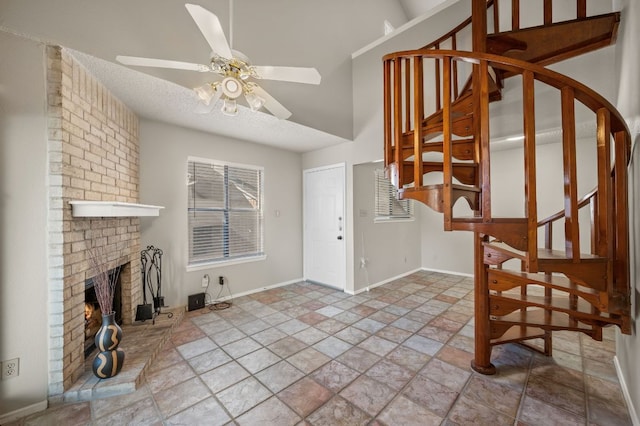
[104, 283]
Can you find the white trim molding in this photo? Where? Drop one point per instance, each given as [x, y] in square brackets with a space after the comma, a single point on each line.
[383, 282]
[12, 416]
[625, 392]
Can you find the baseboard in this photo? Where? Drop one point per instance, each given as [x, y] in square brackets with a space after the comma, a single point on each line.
[23, 412]
[383, 282]
[442, 271]
[635, 420]
[257, 290]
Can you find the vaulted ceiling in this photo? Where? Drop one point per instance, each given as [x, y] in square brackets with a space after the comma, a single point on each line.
[308, 33]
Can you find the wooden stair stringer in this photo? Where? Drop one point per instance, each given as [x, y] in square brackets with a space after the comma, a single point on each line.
[432, 195]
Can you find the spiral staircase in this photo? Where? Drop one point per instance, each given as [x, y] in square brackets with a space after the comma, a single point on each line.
[532, 275]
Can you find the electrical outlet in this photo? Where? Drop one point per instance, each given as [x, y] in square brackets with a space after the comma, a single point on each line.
[10, 368]
[221, 280]
[205, 281]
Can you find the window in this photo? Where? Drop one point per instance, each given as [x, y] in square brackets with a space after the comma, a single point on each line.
[225, 211]
[388, 207]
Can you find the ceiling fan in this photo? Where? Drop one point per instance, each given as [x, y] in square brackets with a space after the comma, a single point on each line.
[233, 67]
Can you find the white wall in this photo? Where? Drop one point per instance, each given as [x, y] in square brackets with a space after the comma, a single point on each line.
[368, 143]
[372, 241]
[628, 103]
[23, 222]
[164, 150]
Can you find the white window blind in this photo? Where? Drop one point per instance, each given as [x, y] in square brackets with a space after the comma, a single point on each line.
[225, 211]
[387, 204]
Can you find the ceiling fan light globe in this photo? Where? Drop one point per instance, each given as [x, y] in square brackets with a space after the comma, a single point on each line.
[230, 107]
[255, 102]
[205, 93]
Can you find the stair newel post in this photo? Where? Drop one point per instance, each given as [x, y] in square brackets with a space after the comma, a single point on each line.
[482, 337]
[447, 154]
[530, 187]
[572, 226]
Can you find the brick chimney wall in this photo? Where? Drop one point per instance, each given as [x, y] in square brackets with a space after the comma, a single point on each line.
[93, 155]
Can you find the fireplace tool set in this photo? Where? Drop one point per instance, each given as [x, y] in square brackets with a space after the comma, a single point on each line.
[151, 269]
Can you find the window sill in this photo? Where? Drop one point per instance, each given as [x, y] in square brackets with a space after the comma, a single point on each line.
[221, 263]
[393, 219]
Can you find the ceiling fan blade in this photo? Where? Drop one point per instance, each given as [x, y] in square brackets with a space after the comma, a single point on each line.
[161, 63]
[210, 27]
[275, 107]
[294, 74]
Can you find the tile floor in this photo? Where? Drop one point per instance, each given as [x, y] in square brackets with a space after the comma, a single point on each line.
[398, 355]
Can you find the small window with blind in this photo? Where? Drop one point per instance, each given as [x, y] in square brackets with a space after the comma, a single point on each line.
[388, 207]
[225, 212]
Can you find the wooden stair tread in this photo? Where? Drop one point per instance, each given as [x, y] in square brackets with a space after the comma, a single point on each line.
[554, 282]
[465, 173]
[582, 310]
[461, 149]
[548, 44]
[546, 320]
[517, 334]
[493, 220]
[544, 255]
[439, 186]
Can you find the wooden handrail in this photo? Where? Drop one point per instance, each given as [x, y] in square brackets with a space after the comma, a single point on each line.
[611, 129]
[589, 199]
[584, 201]
[582, 93]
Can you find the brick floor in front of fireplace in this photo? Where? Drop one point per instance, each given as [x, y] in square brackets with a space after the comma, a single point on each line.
[304, 354]
[141, 343]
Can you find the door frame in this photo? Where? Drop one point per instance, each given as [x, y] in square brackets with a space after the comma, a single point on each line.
[305, 237]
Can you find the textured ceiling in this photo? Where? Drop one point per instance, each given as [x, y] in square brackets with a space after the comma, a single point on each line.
[275, 32]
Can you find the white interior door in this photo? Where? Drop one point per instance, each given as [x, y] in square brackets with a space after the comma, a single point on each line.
[324, 226]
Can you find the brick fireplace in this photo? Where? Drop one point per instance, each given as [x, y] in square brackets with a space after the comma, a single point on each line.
[93, 155]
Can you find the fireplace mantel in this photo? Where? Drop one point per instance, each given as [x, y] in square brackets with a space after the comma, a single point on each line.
[112, 209]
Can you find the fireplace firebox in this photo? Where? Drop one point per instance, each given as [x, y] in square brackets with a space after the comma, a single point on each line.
[92, 313]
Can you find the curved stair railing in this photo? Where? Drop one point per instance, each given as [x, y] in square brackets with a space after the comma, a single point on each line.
[582, 291]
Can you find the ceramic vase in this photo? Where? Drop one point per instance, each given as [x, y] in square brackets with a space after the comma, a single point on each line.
[108, 362]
